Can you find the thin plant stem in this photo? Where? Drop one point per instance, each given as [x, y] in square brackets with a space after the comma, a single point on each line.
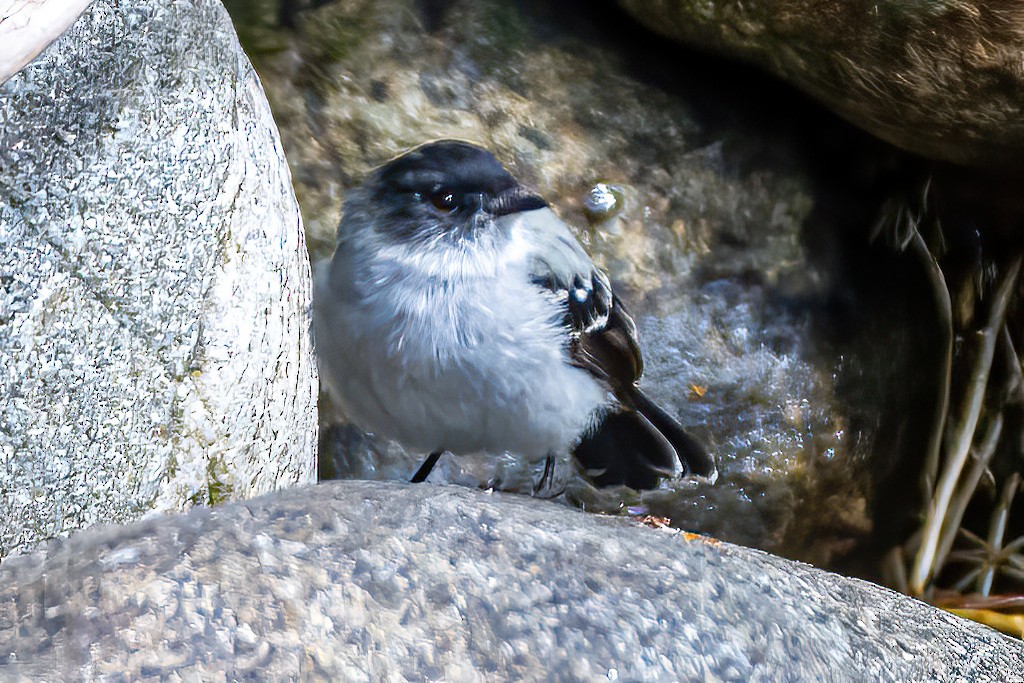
[962, 434]
[982, 456]
[895, 568]
[944, 309]
[1015, 382]
[997, 531]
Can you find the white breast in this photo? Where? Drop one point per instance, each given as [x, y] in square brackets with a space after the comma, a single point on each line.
[462, 353]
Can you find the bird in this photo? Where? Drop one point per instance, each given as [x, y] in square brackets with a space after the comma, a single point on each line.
[459, 313]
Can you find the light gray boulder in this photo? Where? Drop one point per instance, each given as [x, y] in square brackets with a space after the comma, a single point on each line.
[28, 26]
[154, 282]
[376, 581]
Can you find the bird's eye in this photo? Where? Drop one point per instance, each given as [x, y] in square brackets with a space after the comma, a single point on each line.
[443, 200]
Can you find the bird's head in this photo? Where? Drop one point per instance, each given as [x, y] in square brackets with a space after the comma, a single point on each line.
[446, 191]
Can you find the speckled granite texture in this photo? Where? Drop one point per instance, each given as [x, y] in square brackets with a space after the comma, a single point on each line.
[376, 581]
[154, 283]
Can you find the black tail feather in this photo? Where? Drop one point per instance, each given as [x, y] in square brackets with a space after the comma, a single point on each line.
[694, 458]
[626, 449]
[639, 447]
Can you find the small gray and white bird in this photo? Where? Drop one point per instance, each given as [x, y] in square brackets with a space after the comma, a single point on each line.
[459, 314]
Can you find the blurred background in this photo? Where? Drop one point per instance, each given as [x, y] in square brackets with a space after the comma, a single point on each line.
[836, 316]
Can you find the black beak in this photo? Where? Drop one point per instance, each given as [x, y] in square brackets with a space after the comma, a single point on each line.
[514, 200]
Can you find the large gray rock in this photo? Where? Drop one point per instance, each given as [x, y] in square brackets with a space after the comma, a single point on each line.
[942, 79]
[368, 581]
[154, 283]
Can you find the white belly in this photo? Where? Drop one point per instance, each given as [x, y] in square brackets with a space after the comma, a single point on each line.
[471, 367]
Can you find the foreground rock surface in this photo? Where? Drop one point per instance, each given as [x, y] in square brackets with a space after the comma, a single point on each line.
[941, 79]
[154, 284]
[372, 581]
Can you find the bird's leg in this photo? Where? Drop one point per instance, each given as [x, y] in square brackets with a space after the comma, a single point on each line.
[428, 465]
[547, 478]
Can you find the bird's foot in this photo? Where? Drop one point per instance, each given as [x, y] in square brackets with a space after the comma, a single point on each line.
[543, 488]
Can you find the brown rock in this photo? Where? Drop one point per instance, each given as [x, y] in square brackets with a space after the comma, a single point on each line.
[944, 79]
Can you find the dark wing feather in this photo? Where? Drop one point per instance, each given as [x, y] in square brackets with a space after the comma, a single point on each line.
[640, 443]
[604, 338]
